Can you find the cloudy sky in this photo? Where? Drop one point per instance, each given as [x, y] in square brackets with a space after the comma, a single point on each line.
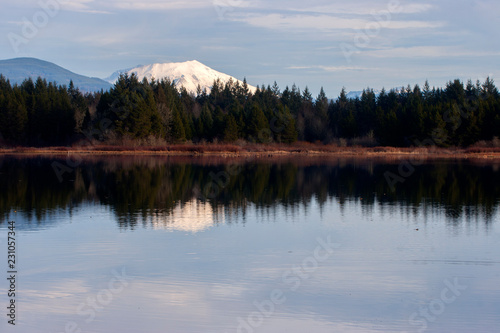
[316, 43]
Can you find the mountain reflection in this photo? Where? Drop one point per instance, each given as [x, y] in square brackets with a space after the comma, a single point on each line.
[191, 194]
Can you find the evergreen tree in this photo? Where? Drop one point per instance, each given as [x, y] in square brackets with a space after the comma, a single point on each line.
[257, 123]
[14, 118]
[276, 90]
[306, 95]
[177, 132]
[231, 129]
[206, 123]
[286, 124]
[43, 113]
[219, 123]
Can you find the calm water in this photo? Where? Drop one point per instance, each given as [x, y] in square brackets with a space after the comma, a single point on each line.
[130, 244]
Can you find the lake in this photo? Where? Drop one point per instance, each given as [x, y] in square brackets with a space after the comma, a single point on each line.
[289, 244]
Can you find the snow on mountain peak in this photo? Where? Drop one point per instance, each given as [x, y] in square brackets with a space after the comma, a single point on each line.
[187, 74]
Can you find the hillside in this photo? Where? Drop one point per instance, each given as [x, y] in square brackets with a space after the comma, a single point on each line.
[19, 69]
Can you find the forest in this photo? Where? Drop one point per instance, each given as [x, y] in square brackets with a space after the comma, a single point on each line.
[40, 113]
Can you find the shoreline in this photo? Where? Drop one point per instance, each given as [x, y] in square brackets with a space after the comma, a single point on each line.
[223, 150]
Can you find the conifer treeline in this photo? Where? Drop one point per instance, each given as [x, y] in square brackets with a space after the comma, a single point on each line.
[41, 113]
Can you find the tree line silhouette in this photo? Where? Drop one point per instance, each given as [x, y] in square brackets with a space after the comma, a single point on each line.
[41, 113]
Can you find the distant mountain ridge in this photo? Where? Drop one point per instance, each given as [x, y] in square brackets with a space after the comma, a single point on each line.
[189, 74]
[19, 69]
[358, 94]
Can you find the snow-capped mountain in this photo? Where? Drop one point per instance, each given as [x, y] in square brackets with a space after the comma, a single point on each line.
[187, 74]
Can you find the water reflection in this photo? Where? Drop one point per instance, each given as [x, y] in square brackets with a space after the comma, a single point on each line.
[192, 216]
[259, 234]
[157, 190]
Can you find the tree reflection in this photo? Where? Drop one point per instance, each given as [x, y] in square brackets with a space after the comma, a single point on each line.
[142, 188]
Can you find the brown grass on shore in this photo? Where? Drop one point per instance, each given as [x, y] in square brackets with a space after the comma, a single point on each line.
[222, 149]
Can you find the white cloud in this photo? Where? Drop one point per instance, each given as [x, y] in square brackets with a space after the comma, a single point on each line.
[161, 5]
[108, 40]
[234, 3]
[83, 6]
[325, 22]
[368, 9]
[332, 68]
[286, 22]
[107, 6]
[416, 8]
[223, 48]
[426, 52]
[415, 25]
